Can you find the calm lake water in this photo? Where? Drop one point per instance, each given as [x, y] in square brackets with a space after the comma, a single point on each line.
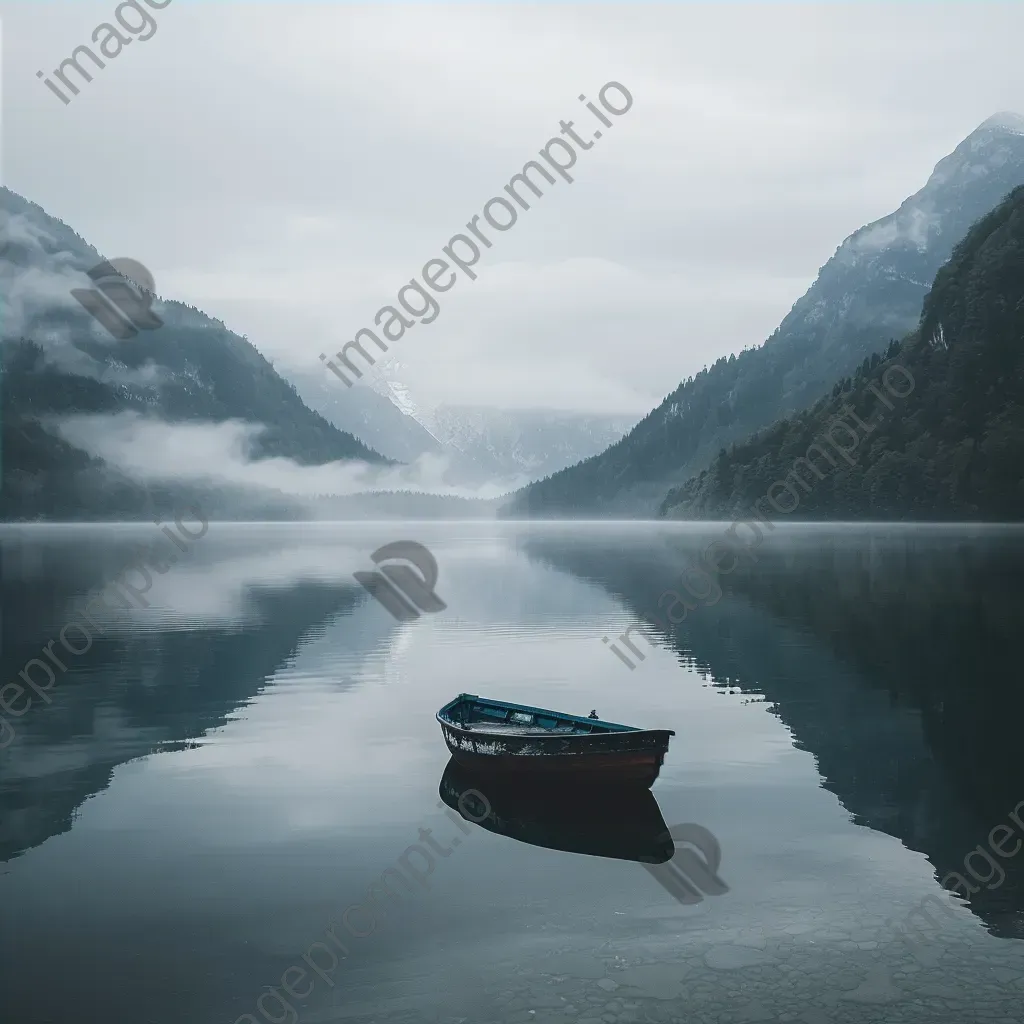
[224, 772]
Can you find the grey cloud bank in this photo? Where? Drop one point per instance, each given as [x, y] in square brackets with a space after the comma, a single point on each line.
[468, 253]
[690, 237]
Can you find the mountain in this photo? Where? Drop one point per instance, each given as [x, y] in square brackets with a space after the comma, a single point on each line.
[407, 505]
[480, 444]
[868, 293]
[363, 411]
[58, 362]
[516, 443]
[951, 448]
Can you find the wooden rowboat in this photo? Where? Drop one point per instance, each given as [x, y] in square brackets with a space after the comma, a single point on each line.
[494, 737]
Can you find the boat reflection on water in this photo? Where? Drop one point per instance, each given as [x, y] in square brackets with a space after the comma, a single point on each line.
[624, 824]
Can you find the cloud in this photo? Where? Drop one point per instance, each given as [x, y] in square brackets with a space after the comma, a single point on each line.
[318, 154]
[913, 226]
[219, 454]
[36, 282]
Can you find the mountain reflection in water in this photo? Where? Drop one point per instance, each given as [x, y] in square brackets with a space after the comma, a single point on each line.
[892, 653]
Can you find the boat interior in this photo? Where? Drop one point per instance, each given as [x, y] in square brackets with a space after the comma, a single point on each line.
[472, 712]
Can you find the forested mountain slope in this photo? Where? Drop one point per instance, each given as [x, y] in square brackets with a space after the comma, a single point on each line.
[58, 362]
[953, 448]
[868, 293]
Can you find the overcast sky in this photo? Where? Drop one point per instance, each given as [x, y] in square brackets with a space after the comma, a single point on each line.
[287, 167]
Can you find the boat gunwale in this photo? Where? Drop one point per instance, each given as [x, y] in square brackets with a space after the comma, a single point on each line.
[548, 734]
[610, 728]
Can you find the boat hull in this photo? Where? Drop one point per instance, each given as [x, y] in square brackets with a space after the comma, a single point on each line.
[627, 758]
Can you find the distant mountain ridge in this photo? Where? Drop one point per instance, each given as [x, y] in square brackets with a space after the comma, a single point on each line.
[480, 444]
[58, 363]
[524, 443]
[869, 292]
[365, 413]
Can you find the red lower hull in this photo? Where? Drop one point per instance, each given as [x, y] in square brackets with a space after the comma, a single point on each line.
[628, 768]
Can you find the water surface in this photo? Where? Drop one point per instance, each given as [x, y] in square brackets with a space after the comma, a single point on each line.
[225, 771]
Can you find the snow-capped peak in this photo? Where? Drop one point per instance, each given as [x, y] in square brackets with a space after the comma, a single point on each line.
[1005, 120]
